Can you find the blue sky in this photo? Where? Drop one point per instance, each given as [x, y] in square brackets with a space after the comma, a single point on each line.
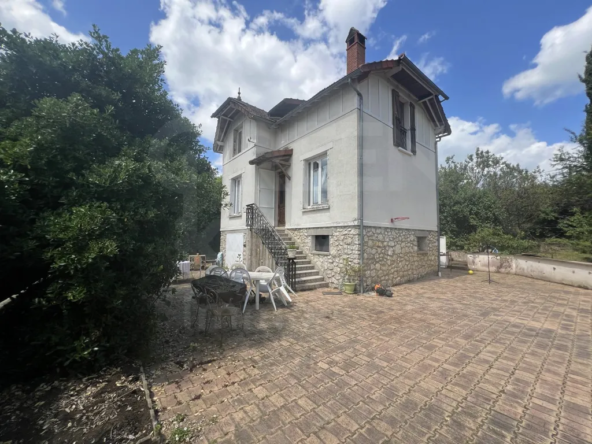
[509, 67]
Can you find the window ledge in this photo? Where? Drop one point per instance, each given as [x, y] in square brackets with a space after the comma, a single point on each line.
[235, 216]
[315, 208]
[321, 253]
[404, 151]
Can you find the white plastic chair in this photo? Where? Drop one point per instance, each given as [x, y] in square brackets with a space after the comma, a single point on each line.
[263, 284]
[219, 271]
[281, 287]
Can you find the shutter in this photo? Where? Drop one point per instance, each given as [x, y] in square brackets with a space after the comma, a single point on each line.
[234, 139]
[412, 122]
[396, 117]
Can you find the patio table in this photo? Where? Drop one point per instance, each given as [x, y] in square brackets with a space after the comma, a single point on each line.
[256, 277]
[227, 290]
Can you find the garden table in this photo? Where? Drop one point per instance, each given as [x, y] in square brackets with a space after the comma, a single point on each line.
[229, 291]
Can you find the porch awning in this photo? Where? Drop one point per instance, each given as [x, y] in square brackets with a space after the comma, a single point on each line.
[280, 158]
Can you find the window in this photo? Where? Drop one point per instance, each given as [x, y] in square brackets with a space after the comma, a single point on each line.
[236, 196]
[321, 243]
[422, 243]
[317, 181]
[412, 128]
[399, 130]
[237, 140]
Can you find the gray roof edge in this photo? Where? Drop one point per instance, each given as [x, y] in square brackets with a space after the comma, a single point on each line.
[352, 75]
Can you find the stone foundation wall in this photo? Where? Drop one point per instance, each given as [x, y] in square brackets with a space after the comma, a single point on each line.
[343, 242]
[392, 257]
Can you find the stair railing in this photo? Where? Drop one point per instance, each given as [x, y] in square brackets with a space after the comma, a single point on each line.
[258, 223]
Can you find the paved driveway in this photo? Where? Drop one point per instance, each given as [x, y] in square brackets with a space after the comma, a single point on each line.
[444, 361]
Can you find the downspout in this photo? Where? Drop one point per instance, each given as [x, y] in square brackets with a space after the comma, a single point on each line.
[360, 177]
[438, 202]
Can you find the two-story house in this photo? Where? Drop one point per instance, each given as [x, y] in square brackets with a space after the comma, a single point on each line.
[351, 172]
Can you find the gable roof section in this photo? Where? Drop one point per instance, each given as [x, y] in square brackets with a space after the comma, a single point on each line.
[404, 72]
[284, 107]
[228, 111]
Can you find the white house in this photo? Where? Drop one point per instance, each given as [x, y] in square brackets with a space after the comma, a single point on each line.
[360, 153]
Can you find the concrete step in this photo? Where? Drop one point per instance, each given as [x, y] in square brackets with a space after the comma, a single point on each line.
[309, 280]
[305, 267]
[307, 273]
[302, 262]
[309, 287]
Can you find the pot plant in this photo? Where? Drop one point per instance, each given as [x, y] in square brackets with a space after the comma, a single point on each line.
[292, 251]
[352, 276]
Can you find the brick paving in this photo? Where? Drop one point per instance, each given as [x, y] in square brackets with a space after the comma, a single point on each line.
[444, 361]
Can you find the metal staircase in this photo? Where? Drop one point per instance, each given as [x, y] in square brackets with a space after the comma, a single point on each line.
[300, 272]
[271, 239]
[307, 276]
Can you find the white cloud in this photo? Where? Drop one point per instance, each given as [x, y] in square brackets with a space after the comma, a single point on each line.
[424, 38]
[212, 48]
[398, 43]
[520, 146]
[433, 67]
[558, 63]
[59, 5]
[29, 16]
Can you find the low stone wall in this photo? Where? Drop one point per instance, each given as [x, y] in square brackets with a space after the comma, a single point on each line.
[392, 257]
[577, 274]
[344, 242]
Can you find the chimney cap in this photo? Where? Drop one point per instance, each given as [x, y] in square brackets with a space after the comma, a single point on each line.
[354, 32]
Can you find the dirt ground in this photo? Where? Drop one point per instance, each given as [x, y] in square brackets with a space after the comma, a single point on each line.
[108, 407]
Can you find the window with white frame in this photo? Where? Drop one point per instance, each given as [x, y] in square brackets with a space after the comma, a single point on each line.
[317, 181]
[237, 140]
[236, 191]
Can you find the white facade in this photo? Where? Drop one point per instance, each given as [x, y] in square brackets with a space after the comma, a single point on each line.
[396, 182]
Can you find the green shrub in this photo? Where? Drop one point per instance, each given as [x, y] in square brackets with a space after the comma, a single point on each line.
[495, 238]
[94, 163]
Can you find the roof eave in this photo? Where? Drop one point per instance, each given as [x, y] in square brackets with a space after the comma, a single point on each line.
[421, 76]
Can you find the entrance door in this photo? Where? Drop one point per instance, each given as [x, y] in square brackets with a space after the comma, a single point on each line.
[281, 208]
[267, 194]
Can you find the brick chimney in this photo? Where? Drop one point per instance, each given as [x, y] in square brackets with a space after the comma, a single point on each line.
[356, 50]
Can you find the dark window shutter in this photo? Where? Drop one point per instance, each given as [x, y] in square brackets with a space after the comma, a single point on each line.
[412, 122]
[396, 118]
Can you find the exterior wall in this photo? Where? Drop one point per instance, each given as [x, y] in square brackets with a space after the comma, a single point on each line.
[391, 256]
[396, 183]
[344, 242]
[234, 166]
[338, 140]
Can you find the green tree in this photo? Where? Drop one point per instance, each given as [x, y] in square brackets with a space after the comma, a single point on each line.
[95, 165]
[573, 178]
[484, 191]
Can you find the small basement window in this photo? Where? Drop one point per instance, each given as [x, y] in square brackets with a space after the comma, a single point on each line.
[422, 243]
[321, 243]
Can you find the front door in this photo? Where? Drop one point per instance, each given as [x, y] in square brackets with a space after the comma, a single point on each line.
[281, 200]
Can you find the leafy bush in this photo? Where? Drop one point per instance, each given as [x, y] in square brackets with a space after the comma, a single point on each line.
[495, 238]
[95, 161]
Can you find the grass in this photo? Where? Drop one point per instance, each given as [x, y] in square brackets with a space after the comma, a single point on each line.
[180, 435]
[567, 255]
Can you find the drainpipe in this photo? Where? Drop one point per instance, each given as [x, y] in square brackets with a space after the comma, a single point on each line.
[360, 177]
[438, 203]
